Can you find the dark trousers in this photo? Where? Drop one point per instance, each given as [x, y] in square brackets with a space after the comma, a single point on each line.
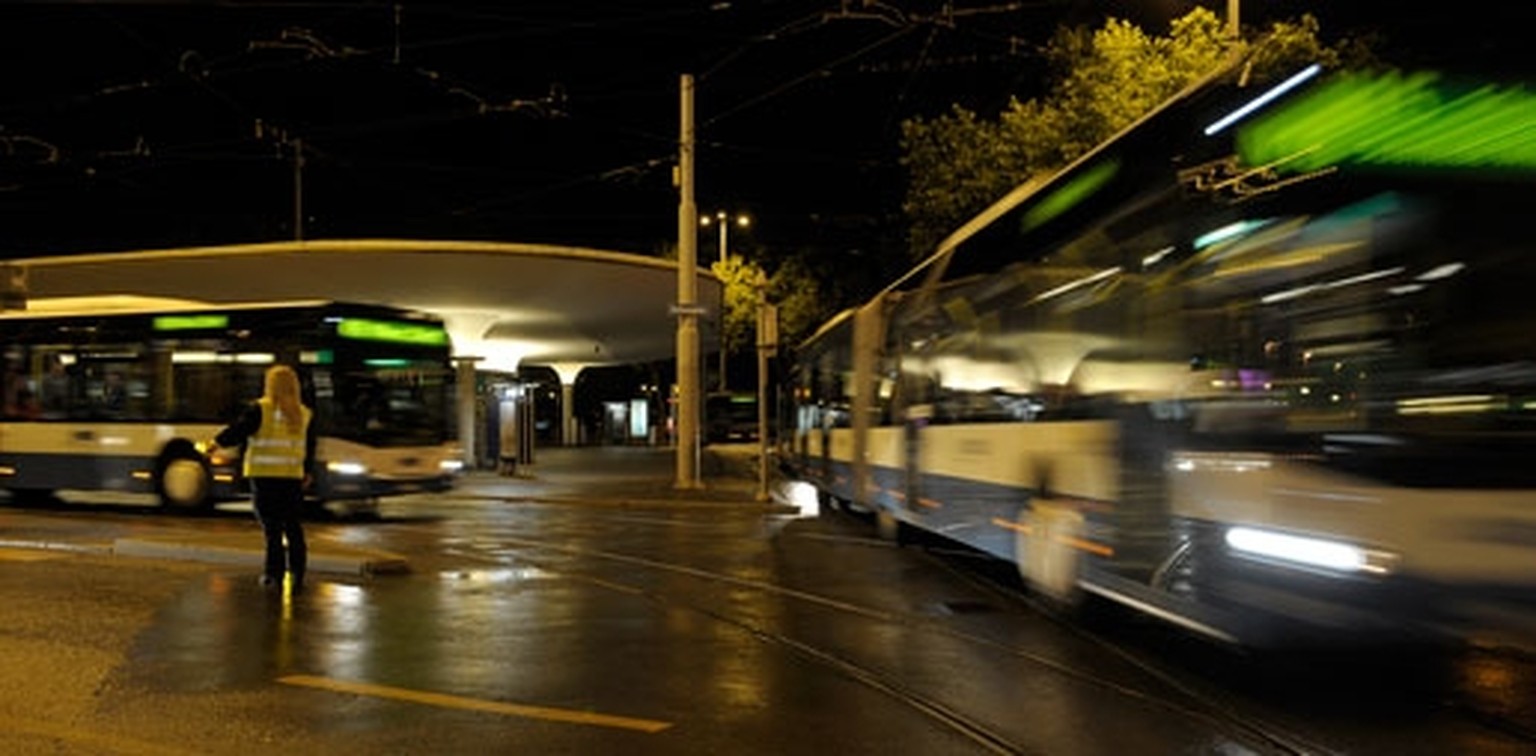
[279, 502]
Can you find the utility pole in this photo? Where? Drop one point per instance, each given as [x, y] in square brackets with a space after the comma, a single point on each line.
[767, 346]
[298, 188]
[687, 309]
[723, 218]
[1233, 30]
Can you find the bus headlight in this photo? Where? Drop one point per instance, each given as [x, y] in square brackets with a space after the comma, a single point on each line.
[346, 468]
[1308, 552]
[451, 465]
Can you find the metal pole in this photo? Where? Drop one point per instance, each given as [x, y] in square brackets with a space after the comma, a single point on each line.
[687, 357]
[1233, 28]
[722, 218]
[767, 344]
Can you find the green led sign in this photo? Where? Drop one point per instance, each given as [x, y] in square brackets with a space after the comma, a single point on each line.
[190, 322]
[419, 334]
[1396, 120]
[1070, 194]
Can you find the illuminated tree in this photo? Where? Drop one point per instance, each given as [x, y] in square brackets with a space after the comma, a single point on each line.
[792, 288]
[959, 162]
[741, 279]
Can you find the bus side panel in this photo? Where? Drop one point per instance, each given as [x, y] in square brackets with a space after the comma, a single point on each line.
[838, 476]
[1472, 549]
[978, 481]
[111, 456]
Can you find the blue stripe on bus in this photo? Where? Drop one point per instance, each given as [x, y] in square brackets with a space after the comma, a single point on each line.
[957, 508]
[55, 471]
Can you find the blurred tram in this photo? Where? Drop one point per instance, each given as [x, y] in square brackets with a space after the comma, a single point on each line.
[1262, 365]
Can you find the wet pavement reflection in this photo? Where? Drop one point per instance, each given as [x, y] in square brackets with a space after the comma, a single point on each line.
[562, 626]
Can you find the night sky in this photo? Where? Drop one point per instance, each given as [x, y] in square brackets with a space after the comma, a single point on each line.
[143, 125]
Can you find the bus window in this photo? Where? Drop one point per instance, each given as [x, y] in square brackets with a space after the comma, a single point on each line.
[53, 385]
[21, 401]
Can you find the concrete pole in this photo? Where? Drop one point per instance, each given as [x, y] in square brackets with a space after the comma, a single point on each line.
[465, 387]
[567, 413]
[687, 358]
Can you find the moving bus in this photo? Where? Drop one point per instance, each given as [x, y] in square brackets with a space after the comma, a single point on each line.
[105, 397]
[730, 416]
[1261, 366]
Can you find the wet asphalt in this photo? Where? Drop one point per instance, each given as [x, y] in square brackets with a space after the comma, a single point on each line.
[589, 606]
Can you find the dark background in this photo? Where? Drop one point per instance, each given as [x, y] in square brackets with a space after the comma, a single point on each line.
[131, 125]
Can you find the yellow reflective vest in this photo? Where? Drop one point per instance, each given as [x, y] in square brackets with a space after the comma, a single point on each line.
[275, 450]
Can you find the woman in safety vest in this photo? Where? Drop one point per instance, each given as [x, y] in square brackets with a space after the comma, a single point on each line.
[279, 452]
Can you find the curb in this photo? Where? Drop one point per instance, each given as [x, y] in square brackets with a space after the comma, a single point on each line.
[747, 506]
[319, 561]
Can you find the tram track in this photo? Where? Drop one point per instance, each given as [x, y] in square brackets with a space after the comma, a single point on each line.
[1279, 738]
[1261, 736]
[1282, 737]
[1165, 688]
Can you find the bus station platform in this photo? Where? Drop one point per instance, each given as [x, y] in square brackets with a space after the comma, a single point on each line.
[628, 477]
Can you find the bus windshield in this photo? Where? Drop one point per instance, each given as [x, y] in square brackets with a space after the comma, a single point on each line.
[389, 402]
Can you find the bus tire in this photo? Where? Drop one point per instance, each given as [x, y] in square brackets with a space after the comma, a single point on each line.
[183, 480]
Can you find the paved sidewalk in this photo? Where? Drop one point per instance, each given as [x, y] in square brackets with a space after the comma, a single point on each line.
[639, 477]
[628, 476]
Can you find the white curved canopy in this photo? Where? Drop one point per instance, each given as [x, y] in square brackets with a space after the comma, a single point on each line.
[506, 303]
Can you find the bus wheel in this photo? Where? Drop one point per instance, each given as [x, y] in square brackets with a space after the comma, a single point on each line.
[184, 481]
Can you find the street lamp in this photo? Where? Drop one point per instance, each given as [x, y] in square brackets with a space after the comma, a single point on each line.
[722, 220]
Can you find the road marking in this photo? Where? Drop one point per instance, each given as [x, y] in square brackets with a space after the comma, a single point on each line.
[474, 704]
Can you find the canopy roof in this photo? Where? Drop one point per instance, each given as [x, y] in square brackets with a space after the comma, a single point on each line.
[506, 303]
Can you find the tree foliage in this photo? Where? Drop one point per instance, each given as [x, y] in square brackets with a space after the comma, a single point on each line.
[792, 288]
[743, 281]
[960, 162]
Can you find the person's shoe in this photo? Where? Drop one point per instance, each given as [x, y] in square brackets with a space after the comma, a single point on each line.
[267, 581]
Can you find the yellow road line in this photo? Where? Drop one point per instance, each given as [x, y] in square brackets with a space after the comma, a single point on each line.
[474, 704]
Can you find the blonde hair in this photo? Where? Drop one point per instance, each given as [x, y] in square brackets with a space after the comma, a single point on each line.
[282, 389]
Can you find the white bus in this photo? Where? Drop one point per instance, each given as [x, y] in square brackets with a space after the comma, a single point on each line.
[98, 395]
